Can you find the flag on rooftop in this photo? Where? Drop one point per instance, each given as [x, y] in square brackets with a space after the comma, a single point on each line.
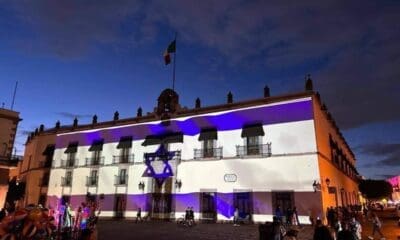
[170, 49]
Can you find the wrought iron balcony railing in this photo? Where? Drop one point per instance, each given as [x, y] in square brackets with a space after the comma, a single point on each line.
[66, 181]
[94, 161]
[121, 179]
[208, 153]
[254, 150]
[177, 155]
[127, 159]
[91, 181]
[43, 182]
[69, 163]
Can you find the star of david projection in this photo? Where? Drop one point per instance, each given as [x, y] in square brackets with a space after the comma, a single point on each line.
[163, 155]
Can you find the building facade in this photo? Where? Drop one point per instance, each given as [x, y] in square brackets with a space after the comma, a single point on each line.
[34, 171]
[8, 127]
[253, 155]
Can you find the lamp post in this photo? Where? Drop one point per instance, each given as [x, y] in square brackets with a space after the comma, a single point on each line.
[141, 185]
[178, 184]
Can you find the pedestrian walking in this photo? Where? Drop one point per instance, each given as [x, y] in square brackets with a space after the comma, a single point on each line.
[278, 231]
[139, 215]
[376, 226]
[346, 233]
[355, 228]
[236, 217]
[321, 232]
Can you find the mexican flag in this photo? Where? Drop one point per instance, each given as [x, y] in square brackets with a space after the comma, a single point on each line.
[170, 49]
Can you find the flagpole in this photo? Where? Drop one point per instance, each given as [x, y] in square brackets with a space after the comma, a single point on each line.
[173, 71]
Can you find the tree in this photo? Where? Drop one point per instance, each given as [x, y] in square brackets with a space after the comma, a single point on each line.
[375, 189]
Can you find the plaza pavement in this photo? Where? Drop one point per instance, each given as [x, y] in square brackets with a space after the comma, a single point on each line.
[160, 230]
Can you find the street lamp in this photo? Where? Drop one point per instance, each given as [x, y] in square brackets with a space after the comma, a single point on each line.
[328, 182]
[141, 185]
[316, 186]
[341, 195]
[178, 183]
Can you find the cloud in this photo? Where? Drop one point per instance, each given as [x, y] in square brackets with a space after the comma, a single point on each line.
[388, 154]
[350, 47]
[72, 28]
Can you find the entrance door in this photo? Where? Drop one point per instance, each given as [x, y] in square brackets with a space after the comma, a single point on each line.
[208, 206]
[161, 202]
[283, 200]
[243, 201]
[120, 205]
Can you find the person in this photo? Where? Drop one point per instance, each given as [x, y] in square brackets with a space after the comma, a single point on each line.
[355, 228]
[278, 213]
[67, 216]
[296, 217]
[321, 232]
[278, 231]
[376, 226]
[289, 215]
[191, 215]
[2, 214]
[236, 217]
[78, 218]
[346, 233]
[187, 214]
[139, 215]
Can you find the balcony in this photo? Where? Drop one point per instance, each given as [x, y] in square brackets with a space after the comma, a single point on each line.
[121, 180]
[68, 163]
[43, 182]
[208, 153]
[123, 159]
[177, 156]
[94, 162]
[66, 181]
[91, 181]
[254, 150]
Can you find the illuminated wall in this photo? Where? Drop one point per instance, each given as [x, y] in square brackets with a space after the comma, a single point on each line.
[292, 167]
[345, 185]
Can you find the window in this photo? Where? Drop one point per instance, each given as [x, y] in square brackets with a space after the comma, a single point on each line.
[70, 159]
[93, 177]
[253, 145]
[48, 153]
[96, 148]
[71, 153]
[68, 178]
[209, 141]
[208, 147]
[122, 176]
[252, 135]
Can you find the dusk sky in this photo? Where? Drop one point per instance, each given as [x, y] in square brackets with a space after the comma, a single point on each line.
[80, 58]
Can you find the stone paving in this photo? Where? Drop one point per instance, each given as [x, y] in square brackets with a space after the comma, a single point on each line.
[170, 230]
[159, 230]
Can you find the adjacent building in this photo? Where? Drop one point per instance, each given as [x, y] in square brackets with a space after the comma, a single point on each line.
[8, 127]
[255, 155]
[395, 182]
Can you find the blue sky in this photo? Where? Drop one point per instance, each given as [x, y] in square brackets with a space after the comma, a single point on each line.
[80, 58]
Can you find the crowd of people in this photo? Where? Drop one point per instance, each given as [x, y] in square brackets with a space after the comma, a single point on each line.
[62, 221]
[79, 223]
[344, 223]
